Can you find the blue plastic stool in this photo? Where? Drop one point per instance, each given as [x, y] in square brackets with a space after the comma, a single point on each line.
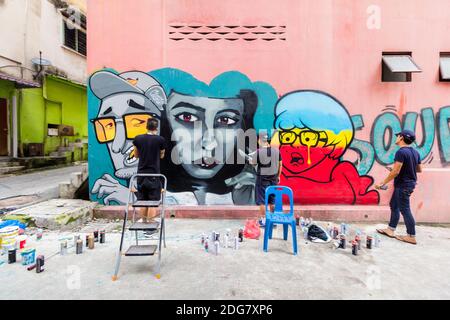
[278, 216]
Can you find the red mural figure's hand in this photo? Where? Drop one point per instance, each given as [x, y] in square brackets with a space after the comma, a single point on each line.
[344, 186]
[358, 184]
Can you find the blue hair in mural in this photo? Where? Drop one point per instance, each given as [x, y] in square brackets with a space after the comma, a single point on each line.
[319, 112]
[226, 85]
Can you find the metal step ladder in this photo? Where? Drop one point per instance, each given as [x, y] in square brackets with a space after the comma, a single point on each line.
[155, 227]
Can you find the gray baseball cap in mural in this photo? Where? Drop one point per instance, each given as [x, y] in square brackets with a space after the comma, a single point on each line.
[408, 135]
[106, 83]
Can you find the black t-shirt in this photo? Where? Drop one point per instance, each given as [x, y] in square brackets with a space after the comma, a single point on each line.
[268, 160]
[408, 175]
[149, 148]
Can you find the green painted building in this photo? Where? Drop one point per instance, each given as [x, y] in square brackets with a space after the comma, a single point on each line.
[49, 120]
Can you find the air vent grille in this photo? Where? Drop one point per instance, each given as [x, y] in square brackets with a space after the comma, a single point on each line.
[197, 32]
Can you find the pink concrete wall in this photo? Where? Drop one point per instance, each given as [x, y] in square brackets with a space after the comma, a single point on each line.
[328, 48]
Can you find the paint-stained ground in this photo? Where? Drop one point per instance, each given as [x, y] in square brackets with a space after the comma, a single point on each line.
[394, 271]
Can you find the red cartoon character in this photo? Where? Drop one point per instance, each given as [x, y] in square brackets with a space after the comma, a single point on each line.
[314, 131]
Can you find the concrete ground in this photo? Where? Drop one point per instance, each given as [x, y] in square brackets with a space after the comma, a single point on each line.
[44, 183]
[394, 271]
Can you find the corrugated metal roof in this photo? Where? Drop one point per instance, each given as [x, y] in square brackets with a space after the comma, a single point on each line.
[19, 83]
[400, 63]
[445, 67]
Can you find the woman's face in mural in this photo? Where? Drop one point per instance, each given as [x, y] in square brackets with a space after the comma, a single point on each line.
[302, 149]
[205, 131]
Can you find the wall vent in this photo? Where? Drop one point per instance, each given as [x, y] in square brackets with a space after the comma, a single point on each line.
[196, 32]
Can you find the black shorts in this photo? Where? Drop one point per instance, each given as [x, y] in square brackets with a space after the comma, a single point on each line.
[148, 188]
[260, 190]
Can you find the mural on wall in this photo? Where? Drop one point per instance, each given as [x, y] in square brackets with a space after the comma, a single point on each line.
[388, 123]
[179, 101]
[312, 129]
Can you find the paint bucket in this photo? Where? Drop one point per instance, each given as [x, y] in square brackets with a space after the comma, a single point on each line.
[8, 236]
[28, 256]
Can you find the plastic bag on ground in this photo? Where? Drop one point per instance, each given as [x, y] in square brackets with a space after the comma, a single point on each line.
[251, 229]
[318, 234]
[9, 223]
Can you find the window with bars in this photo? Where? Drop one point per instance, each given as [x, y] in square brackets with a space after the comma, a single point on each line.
[74, 38]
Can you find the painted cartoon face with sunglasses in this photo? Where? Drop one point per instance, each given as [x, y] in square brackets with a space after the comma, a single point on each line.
[303, 148]
[121, 118]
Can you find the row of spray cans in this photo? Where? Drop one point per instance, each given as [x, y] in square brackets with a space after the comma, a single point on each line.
[96, 236]
[302, 222]
[212, 243]
[371, 242]
[334, 231]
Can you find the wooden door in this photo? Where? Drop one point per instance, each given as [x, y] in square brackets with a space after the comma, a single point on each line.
[3, 128]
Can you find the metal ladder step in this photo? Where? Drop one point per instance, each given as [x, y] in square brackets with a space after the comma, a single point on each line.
[149, 226]
[146, 204]
[140, 251]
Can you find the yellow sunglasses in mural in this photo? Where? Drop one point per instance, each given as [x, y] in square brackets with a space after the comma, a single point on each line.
[307, 138]
[135, 124]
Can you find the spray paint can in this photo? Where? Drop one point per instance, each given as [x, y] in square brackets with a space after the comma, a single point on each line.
[297, 220]
[91, 241]
[63, 248]
[336, 244]
[203, 238]
[87, 240]
[236, 243]
[39, 234]
[102, 236]
[206, 244]
[225, 241]
[369, 242]
[241, 235]
[76, 237]
[343, 229]
[342, 241]
[330, 229]
[305, 232]
[358, 241]
[302, 221]
[335, 232]
[79, 247]
[40, 261]
[216, 247]
[96, 236]
[377, 241]
[12, 257]
[354, 247]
